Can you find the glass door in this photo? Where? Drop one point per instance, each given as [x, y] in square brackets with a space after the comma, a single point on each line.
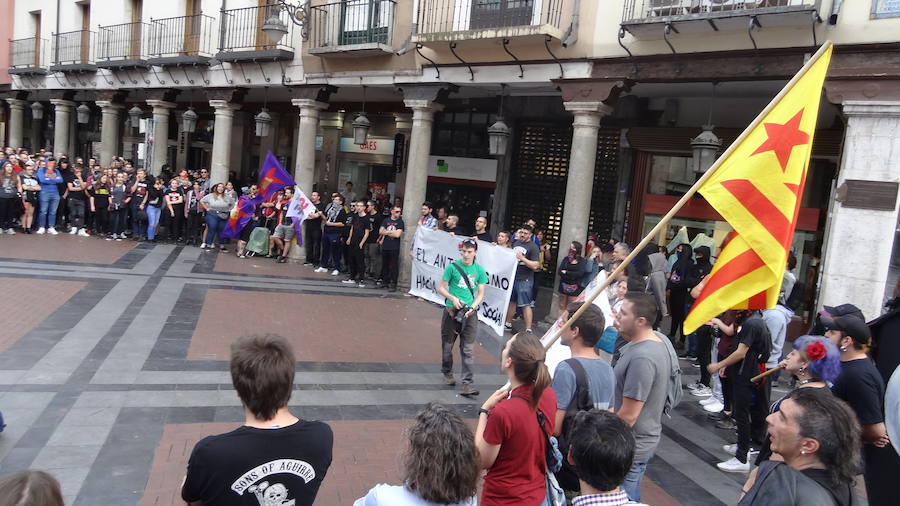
[363, 22]
[501, 13]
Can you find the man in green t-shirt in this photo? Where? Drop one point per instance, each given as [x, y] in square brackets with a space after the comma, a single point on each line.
[458, 294]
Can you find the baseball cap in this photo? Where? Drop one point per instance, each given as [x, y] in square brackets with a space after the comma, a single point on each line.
[843, 310]
[850, 325]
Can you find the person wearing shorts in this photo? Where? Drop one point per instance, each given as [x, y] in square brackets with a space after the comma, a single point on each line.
[284, 229]
[528, 254]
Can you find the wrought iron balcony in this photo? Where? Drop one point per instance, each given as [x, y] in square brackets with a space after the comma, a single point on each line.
[122, 46]
[182, 40]
[352, 28]
[73, 51]
[449, 20]
[644, 18]
[28, 56]
[241, 36]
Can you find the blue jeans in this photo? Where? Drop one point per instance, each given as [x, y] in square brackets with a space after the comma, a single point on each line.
[331, 250]
[214, 228]
[152, 221]
[49, 201]
[632, 482]
[138, 227]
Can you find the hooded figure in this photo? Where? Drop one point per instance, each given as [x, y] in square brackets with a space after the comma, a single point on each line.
[656, 285]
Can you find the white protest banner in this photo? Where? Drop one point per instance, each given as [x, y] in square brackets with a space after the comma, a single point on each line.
[434, 250]
[557, 353]
[300, 206]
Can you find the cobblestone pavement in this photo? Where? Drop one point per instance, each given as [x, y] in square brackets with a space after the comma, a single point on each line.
[113, 363]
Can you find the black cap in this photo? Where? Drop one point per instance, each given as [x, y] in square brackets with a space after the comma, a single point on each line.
[845, 309]
[850, 325]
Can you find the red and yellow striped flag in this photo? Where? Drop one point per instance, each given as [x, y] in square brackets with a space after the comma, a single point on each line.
[756, 186]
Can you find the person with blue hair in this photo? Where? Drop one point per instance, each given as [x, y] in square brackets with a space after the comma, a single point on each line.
[816, 363]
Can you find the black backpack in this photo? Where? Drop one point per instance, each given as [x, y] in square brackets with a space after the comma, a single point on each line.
[581, 401]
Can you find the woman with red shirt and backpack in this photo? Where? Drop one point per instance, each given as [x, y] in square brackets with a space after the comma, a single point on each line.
[511, 444]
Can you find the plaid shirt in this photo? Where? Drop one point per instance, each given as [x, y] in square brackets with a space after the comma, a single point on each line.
[610, 499]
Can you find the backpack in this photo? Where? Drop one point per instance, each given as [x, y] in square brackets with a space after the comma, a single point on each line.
[581, 401]
[674, 390]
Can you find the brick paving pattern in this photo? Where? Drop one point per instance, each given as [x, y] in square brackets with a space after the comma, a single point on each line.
[41, 297]
[62, 248]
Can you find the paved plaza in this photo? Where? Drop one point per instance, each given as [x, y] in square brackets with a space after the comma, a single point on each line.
[114, 362]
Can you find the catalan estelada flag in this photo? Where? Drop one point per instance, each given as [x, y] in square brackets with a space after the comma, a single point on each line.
[756, 186]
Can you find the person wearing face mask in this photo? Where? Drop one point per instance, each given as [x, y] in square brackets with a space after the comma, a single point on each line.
[335, 221]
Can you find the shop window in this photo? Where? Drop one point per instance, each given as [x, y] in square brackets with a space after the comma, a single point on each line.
[885, 9]
[462, 134]
[670, 175]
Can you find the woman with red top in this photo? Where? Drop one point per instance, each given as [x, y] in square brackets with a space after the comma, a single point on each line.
[511, 444]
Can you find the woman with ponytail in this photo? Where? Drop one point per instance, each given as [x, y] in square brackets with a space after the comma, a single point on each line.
[511, 445]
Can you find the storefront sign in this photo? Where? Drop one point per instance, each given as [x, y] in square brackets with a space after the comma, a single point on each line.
[399, 153]
[474, 169]
[371, 147]
[434, 250]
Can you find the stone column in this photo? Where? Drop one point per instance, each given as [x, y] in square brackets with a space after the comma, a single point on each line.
[160, 147]
[16, 122]
[63, 110]
[304, 173]
[221, 151]
[416, 174]
[871, 152]
[110, 132]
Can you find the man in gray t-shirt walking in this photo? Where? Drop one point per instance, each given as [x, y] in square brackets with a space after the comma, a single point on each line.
[642, 375]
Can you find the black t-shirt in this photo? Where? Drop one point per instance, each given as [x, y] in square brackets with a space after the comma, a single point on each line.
[141, 188]
[335, 214]
[173, 194]
[154, 197]
[862, 387]
[78, 193]
[374, 224]
[320, 207]
[840, 493]
[101, 197]
[250, 466]
[531, 252]
[358, 226]
[484, 236]
[754, 333]
[391, 243]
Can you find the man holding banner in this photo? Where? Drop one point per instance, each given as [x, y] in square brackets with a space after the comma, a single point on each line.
[462, 286]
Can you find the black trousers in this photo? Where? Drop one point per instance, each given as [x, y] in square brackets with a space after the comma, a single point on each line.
[357, 261]
[704, 351]
[194, 224]
[390, 266]
[312, 241]
[677, 300]
[101, 221]
[7, 211]
[176, 223]
[749, 410]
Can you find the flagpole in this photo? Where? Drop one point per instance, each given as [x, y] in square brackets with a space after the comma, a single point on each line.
[690, 193]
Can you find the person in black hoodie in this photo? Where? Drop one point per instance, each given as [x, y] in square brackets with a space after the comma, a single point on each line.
[571, 275]
[678, 290]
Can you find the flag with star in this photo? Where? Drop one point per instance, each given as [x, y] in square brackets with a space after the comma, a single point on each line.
[273, 177]
[757, 186]
[241, 214]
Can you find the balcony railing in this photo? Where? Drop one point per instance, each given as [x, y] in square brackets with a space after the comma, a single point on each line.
[646, 10]
[73, 48]
[241, 29]
[351, 23]
[181, 36]
[442, 16]
[125, 41]
[30, 53]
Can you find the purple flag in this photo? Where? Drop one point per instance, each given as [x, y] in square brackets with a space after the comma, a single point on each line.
[273, 177]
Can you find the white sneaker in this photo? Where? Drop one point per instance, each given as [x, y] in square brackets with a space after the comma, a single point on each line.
[41, 231]
[730, 449]
[335, 272]
[83, 233]
[202, 245]
[73, 231]
[122, 236]
[361, 285]
[694, 386]
[348, 281]
[702, 391]
[52, 231]
[733, 465]
[10, 231]
[708, 400]
[714, 407]
[321, 269]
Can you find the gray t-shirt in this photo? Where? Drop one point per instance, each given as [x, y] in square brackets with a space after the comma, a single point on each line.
[222, 205]
[642, 374]
[530, 250]
[601, 383]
